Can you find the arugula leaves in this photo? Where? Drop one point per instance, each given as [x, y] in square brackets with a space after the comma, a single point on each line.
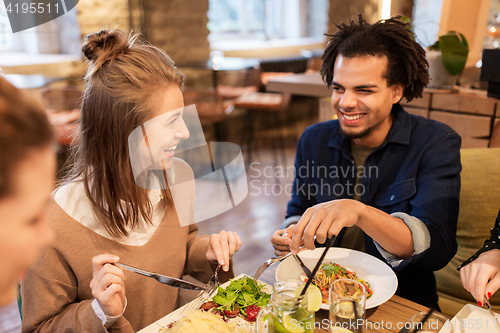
[241, 294]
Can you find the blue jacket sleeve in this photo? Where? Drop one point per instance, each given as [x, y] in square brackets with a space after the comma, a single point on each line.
[301, 198]
[436, 202]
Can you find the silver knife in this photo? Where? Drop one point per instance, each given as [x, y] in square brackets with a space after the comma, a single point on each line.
[306, 270]
[488, 305]
[173, 282]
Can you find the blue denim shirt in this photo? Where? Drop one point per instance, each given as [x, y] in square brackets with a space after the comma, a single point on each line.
[415, 171]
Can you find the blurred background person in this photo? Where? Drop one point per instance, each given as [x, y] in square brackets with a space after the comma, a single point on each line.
[27, 172]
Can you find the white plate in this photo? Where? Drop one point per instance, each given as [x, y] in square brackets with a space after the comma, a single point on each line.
[174, 316]
[381, 277]
[471, 319]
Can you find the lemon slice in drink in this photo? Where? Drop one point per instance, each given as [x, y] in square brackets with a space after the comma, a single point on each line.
[292, 326]
[314, 297]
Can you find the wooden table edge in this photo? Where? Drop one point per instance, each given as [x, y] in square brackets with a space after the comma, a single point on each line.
[383, 318]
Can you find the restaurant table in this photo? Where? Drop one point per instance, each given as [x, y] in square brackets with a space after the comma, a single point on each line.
[383, 318]
[388, 317]
[31, 81]
[305, 84]
[219, 64]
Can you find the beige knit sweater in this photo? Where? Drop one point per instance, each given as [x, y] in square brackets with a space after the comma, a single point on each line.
[56, 293]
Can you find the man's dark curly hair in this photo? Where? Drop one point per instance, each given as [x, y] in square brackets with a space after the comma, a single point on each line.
[390, 38]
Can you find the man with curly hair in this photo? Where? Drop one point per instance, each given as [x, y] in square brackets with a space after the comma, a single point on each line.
[378, 173]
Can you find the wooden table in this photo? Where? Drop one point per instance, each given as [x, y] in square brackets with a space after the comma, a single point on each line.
[388, 317]
[384, 318]
[305, 84]
[220, 64]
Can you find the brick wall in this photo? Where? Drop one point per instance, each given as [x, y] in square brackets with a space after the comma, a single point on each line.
[177, 26]
[94, 15]
[341, 12]
[180, 28]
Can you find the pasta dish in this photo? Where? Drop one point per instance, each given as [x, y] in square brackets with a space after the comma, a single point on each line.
[329, 272]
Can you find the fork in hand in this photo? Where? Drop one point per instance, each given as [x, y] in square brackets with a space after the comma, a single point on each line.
[268, 263]
[204, 295]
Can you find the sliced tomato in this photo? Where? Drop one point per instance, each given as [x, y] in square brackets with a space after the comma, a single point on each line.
[231, 313]
[252, 312]
[208, 305]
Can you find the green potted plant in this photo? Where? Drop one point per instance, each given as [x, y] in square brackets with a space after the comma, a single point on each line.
[447, 58]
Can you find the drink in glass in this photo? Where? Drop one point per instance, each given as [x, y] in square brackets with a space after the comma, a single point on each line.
[284, 313]
[347, 306]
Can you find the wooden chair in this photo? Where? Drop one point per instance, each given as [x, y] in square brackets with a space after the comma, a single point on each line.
[272, 107]
[314, 64]
[267, 112]
[211, 108]
[63, 110]
[233, 84]
[495, 135]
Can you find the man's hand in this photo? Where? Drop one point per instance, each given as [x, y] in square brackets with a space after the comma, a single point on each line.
[107, 284]
[222, 246]
[281, 240]
[482, 276]
[325, 220]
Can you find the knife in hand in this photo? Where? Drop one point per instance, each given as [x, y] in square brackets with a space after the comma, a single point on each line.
[306, 270]
[170, 281]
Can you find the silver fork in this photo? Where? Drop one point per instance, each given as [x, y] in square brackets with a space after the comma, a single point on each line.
[204, 295]
[268, 263]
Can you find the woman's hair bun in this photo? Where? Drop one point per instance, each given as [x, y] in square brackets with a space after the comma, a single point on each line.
[104, 45]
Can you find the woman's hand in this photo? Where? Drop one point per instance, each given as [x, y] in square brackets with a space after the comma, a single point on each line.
[107, 285]
[482, 276]
[222, 246]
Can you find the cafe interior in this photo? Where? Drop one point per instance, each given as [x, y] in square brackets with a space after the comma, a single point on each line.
[252, 69]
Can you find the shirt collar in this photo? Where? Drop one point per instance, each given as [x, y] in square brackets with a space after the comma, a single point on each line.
[399, 133]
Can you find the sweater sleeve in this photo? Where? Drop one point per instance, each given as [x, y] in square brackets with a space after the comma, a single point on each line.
[50, 304]
[493, 243]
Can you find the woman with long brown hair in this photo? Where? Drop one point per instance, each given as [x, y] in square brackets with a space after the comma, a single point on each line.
[103, 214]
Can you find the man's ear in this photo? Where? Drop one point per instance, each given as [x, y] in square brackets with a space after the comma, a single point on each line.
[397, 93]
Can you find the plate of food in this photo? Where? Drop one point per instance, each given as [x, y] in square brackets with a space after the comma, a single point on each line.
[379, 279]
[233, 309]
[471, 319]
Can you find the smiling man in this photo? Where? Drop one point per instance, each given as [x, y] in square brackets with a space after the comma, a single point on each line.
[396, 191]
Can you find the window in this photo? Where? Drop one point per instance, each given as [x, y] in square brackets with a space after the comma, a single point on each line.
[57, 36]
[244, 17]
[492, 38]
[5, 30]
[267, 19]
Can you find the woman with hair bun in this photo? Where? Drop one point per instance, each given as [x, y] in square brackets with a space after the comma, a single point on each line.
[100, 214]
